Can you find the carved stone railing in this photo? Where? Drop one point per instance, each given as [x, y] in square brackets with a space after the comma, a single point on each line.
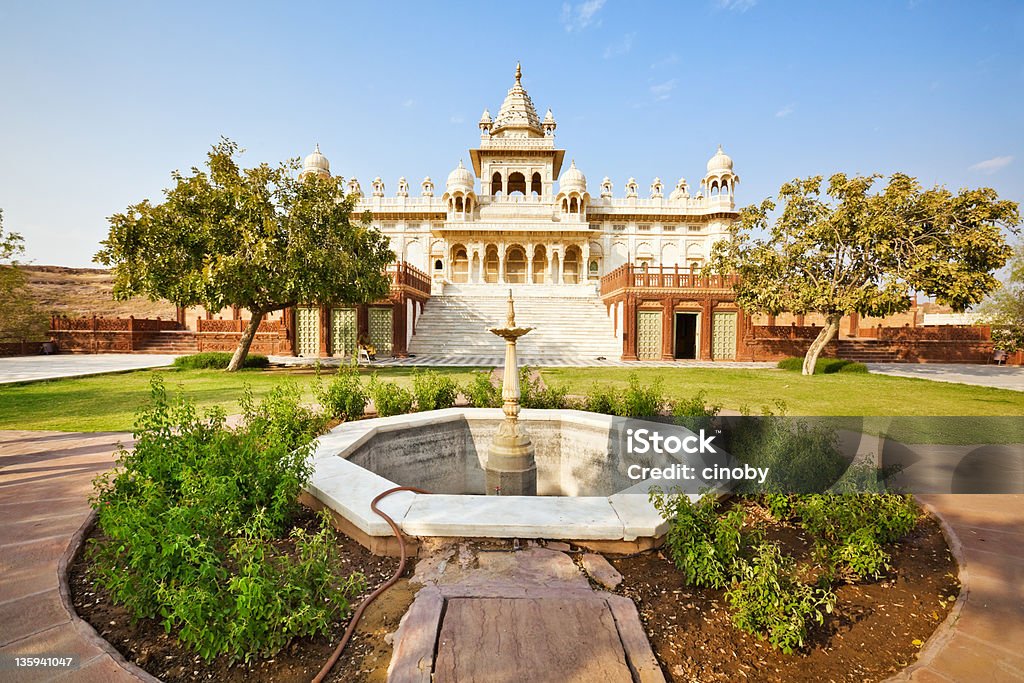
[632, 276]
[406, 275]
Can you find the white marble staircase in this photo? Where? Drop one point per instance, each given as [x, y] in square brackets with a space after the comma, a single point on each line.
[570, 321]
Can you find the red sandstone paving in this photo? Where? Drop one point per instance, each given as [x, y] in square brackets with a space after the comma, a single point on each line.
[45, 481]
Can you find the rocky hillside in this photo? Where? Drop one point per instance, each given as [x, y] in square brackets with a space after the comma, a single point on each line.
[87, 291]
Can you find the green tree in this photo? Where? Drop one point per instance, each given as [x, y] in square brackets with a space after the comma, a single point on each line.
[1004, 309]
[258, 238]
[20, 317]
[857, 251]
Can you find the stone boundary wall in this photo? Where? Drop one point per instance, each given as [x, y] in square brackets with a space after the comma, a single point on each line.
[22, 348]
[265, 343]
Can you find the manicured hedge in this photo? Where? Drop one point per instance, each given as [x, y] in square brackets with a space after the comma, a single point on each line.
[824, 366]
[218, 360]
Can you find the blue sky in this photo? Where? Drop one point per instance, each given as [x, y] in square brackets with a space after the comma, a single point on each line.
[100, 101]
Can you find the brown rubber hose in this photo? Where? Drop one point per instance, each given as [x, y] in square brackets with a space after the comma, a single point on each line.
[373, 596]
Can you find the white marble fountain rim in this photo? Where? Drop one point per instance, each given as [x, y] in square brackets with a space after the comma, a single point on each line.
[348, 489]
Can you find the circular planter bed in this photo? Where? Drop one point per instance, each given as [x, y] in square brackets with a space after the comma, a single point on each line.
[145, 643]
[876, 629]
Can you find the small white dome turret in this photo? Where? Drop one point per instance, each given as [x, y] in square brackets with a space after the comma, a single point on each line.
[460, 179]
[720, 162]
[573, 179]
[316, 163]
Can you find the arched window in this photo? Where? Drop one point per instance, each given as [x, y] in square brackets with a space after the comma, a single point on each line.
[540, 264]
[574, 206]
[515, 265]
[571, 265]
[536, 186]
[460, 264]
[438, 264]
[516, 183]
[458, 204]
[495, 184]
[491, 264]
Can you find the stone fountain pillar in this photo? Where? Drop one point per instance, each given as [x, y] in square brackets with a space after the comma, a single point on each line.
[511, 468]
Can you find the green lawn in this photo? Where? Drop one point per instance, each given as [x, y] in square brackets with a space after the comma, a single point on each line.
[109, 402]
[891, 403]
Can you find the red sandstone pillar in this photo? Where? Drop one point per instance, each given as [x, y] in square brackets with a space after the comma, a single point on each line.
[668, 329]
[705, 329]
[399, 322]
[629, 328]
[325, 330]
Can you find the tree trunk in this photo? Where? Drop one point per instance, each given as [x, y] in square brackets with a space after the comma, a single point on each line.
[248, 334]
[820, 342]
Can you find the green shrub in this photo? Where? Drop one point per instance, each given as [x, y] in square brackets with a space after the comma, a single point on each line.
[850, 529]
[824, 366]
[695, 413]
[639, 400]
[389, 398]
[601, 398]
[801, 456]
[194, 524]
[481, 392]
[432, 390]
[343, 396]
[702, 542]
[769, 601]
[534, 394]
[216, 360]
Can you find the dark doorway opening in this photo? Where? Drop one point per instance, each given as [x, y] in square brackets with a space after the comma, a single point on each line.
[686, 336]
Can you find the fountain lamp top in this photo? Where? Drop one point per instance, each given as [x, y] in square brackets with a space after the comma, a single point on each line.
[510, 332]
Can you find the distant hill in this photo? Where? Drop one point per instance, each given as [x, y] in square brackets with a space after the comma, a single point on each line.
[85, 292]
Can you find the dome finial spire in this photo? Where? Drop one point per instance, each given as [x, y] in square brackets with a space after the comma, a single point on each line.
[519, 72]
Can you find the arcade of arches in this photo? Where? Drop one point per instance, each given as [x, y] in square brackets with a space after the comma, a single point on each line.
[516, 263]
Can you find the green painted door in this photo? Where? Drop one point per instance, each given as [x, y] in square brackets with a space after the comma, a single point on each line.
[307, 331]
[343, 331]
[648, 335]
[723, 336]
[381, 330]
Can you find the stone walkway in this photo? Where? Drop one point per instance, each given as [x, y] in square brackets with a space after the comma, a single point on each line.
[45, 480]
[996, 376]
[34, 368]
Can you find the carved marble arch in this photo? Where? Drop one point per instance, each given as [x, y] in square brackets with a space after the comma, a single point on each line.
[516, 183]
[496, 188]
[571, 265]
[491, 264]
[536, 185]
[460, 264]
[540, 264]
[515, 265]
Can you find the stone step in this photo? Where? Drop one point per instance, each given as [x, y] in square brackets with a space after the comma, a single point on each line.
[569, 321]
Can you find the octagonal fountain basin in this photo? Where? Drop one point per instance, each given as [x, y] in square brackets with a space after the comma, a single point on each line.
[585, 492]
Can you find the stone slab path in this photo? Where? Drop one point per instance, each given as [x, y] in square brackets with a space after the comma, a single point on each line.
[503, 616]
[35, 368]
[995, 376]
[45, 481]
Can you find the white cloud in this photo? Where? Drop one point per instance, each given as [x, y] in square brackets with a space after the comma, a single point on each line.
[990, 166]
[620, 48]
[735, 5]
[408, 103]
[581, 15]
[662, 91]
[456, 119]
[667, 61]
[785, 111]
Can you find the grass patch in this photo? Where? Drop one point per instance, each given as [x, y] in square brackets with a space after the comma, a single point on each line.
[824, 366]
[107, 403]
